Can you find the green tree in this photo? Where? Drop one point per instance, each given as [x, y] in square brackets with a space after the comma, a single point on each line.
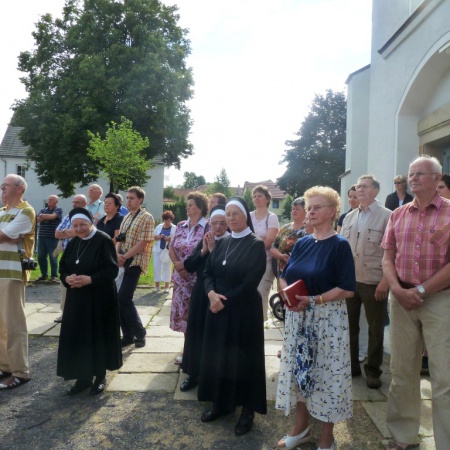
[221, 184]
[317, 157]
[120, 155]
[287, 206]
[169, 193]
[178, 208]
[192, 181]
[102, 60]
[247, 196]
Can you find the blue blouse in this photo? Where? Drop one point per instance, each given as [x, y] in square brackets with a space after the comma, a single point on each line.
[322, 265]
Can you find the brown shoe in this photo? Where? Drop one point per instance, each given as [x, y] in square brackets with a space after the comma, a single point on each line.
[373, 382]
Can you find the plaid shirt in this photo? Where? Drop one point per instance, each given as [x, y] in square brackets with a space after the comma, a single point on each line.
[142, 229]
[65, 225]
[420, 238]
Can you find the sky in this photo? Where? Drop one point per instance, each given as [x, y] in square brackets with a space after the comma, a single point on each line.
[257, 65]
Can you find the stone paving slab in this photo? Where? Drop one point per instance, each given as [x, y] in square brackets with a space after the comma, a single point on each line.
[150, 362]
[160, 320]
[162, 345]
[377, 412]
[162, 331]
[144, 382]
[54, 332]
[272, 369]
[147, 310]
[271, 347]
[52, 308]
[38, 323]
[145, 319]
[31, 308]
[273, 334]
[165, 311]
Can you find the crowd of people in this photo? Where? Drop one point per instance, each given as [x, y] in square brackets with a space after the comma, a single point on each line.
[225, 260]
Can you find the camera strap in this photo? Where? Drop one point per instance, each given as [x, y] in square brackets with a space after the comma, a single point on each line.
[132, 220]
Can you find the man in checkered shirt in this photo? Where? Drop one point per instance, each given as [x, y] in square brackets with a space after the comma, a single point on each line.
[133, 253]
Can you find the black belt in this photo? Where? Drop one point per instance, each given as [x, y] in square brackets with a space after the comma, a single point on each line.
[406, 285]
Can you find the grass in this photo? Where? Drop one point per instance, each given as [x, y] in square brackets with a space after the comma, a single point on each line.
[143, 280]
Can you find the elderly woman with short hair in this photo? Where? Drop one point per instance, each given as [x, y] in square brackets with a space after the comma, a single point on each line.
[315, 370]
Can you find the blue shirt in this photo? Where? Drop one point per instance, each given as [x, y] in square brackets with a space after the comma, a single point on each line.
[322, 265]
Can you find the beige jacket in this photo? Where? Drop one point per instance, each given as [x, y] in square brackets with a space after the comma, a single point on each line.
[365, 245]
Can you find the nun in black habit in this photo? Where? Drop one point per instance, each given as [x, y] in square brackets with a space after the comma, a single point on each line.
[199, 303]
[89, 342]
[232, 368]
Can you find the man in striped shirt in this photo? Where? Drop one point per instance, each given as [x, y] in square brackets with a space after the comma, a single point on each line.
[416, 264]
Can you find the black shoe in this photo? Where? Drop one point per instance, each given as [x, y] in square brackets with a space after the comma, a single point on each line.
[98, 387]
[139, 343]
[373, 382]
[79, 386]
[244, 424]
[126, 341]
[210, 416]
[188, 384]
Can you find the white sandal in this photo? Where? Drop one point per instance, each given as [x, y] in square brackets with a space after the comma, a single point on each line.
[178, 359]
[333, 446]
[291, 442]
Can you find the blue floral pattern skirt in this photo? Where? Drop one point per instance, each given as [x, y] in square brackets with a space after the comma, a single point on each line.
[331, 399]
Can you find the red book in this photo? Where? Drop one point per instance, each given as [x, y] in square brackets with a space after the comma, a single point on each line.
[288, 293]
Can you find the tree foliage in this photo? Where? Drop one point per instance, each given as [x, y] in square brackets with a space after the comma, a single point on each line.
[287, 207]
[317, 157]
[102, 60]
[247, 196]
[192, 181]
[120, 155]
[169, 193]
[178, 208]
[221, 184]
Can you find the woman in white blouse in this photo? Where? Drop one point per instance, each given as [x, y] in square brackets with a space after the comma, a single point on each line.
[163, 234]
[266, 227]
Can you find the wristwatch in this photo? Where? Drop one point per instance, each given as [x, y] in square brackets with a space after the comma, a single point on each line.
[421, 289]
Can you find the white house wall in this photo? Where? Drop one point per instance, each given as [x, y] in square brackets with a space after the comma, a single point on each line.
[393, 140]
[36, 194]
[358, 104]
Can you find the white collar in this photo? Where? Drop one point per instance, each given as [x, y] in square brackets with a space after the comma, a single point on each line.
[241, 234]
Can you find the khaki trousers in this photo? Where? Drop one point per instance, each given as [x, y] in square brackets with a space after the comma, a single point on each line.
[265, 285]
[409, 329]
[13, 329]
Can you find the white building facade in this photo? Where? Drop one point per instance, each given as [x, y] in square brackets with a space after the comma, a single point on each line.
[13, 160]
[399, 105]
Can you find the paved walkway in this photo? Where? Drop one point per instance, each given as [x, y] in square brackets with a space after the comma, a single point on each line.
[152, 369]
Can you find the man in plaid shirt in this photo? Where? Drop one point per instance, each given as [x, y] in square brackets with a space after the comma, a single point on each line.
[134, 250]
[416, 264]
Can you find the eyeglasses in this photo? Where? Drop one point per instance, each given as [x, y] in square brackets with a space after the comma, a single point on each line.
[398, 182]
[316, 208]
[363, 186]
[219, 224]
[420, 174]
[7, 184]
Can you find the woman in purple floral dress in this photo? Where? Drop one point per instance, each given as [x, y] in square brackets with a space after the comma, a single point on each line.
[187, 236]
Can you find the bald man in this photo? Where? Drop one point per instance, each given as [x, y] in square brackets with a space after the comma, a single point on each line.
[48, 219]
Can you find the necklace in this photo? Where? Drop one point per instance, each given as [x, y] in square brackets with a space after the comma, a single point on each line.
[232, 250]
[323, 238]
[78, 250]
